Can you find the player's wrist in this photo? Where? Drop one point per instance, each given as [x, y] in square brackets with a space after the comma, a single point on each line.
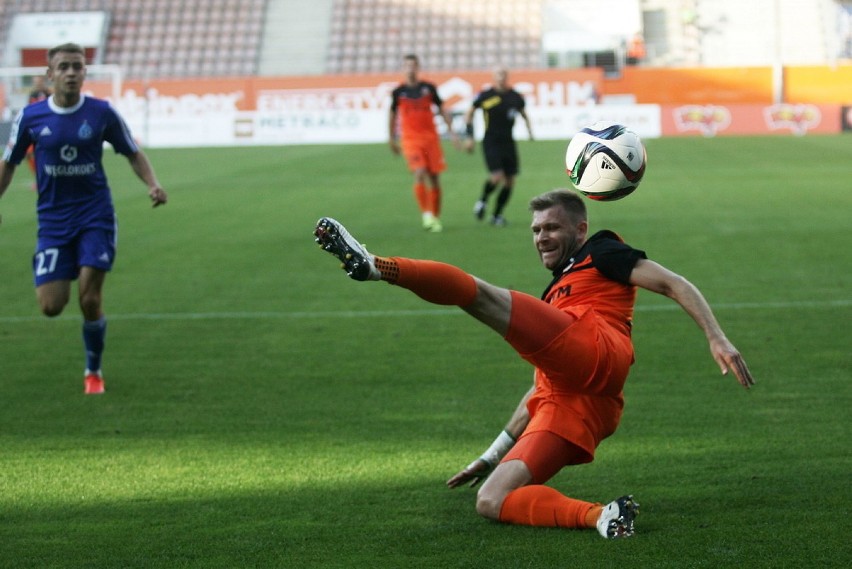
[468, 130]
[498, 449]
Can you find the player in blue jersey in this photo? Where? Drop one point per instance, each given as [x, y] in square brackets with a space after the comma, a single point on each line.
[76, 219]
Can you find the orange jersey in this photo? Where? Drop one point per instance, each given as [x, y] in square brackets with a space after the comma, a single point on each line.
[581, 372]
[413, 106]
[598, 276]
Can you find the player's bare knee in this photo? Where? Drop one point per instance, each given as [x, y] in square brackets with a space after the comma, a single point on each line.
[492, 306]
[51, 307]
[488, 506]
[51, 300]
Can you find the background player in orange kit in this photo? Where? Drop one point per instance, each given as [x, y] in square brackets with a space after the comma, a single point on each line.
[412, 118]
[578, 337]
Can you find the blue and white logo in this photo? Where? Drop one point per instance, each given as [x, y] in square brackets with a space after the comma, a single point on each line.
[85, 131]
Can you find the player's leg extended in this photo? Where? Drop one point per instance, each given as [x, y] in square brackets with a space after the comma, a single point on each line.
[438, 283]
[534, 323]
[444, 284]
[529, 324]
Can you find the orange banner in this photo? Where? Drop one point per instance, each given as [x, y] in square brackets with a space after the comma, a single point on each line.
[354, 108]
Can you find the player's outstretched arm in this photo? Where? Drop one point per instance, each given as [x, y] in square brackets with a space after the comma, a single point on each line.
[143, 169]
[479, 469]
[656, 278]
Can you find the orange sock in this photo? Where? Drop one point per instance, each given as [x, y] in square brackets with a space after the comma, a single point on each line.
[438, 283]
[542, 506]
[593, 515]
[435, 201]
[421, 194]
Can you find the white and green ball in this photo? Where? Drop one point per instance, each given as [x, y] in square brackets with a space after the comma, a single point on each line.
[606, 161]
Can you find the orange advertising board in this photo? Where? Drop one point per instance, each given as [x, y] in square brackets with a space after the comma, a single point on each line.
[354, 108]
[540, 88]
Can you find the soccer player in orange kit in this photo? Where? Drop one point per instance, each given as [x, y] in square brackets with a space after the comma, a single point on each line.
[412, 118]
[578, 338]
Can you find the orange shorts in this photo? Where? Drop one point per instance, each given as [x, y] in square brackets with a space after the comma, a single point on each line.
[424, 154]
[577, 349]
[544, 454]
[581, 365]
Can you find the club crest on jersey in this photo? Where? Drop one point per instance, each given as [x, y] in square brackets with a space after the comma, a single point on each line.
[85, 131]
[68, 153]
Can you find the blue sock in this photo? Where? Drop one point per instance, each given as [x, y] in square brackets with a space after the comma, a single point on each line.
[94, 333]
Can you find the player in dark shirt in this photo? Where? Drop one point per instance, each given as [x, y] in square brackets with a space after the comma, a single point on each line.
[500, 104]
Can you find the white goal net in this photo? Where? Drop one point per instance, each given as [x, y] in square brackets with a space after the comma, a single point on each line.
[16, 83]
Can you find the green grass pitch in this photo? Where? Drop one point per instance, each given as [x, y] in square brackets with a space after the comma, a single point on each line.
[262, 410]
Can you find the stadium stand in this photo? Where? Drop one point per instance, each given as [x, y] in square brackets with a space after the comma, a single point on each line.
[372, 35]
[169, 38]
[190, 38]
[220, 38]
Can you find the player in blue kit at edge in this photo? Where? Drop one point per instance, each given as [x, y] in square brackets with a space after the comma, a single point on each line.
[76, 218]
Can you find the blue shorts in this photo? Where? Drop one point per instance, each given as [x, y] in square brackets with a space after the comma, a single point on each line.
[61, 259]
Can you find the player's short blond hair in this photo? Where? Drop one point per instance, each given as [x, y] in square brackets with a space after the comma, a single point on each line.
[572, 203]
[65, 48]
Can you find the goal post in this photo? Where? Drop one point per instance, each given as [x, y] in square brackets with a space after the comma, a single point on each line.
[16, 83]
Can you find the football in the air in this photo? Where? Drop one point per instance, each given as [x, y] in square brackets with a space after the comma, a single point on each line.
[606, 161]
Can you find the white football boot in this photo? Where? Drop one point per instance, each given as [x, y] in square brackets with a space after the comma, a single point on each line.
[357, 261]
[616, 519]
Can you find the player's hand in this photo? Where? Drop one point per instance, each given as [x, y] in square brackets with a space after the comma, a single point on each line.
[158, 196]
[394, 146]
[468, 145]
[475, 472]
[729, 359]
